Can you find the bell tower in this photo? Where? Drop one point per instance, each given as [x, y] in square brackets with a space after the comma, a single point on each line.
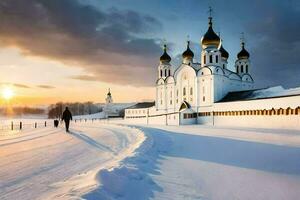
[108, 98]
[210, 42]
[164, 68]
[242, 64]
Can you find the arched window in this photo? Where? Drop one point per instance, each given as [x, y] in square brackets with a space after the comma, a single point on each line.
[161, 73]
[204, 59]
[223, 66]
[166, 72]
[288, 111]
[237, 69]
[242, 69]
[217, 58]
[246, 68]
[210, 59]
[191, 91]
[184, 91]
[297, 110]
[169, 72]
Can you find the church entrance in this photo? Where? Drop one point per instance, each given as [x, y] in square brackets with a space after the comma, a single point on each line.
[186, 114]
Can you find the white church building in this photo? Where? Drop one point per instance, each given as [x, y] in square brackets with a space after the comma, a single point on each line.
[210, 93]
[109, 109]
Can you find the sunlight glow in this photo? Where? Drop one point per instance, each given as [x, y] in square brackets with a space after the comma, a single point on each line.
[7, 93]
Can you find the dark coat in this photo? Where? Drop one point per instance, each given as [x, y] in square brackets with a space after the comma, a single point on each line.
[67, 116]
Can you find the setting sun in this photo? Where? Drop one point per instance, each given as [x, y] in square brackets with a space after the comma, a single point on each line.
[7, 93]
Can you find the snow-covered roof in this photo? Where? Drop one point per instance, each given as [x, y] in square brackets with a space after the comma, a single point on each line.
[142, 105]
[271, 92]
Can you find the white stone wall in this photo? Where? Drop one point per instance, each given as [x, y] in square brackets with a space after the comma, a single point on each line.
[283, 121]
[257, 121]
[207, 120]
[280, 102]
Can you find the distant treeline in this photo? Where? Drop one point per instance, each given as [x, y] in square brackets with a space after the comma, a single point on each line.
[55, 110]
[17, 111]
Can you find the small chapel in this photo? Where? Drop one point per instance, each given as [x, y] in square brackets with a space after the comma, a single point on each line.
[110, 110]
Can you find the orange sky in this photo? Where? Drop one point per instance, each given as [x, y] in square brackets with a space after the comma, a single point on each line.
[39, 81]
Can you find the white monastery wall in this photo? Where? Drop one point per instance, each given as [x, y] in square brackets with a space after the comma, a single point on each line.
[269, 103]
[281, 121]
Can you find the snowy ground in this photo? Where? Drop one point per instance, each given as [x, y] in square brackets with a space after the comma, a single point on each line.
[106, 161]
[47, 163]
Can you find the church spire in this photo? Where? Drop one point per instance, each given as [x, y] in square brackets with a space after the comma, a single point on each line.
[210, 16]
[108, 98]
[165, 57]
[188, 53]
[243, 54]
[210, 38]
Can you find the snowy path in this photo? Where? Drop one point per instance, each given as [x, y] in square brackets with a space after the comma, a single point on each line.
[198, 162]
[50, 164]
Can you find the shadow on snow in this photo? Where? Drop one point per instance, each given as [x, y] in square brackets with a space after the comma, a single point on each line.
[91, 141]
[133, 179]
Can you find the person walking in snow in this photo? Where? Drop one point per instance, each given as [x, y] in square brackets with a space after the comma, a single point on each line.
[67, 116]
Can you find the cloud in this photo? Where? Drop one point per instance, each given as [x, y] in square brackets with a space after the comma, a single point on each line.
[85, 78]
[111, 45]
[46, 86]
[277, 46]
[18, 85]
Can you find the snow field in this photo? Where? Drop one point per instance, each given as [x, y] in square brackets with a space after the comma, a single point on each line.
[202, 162]
[51, 164]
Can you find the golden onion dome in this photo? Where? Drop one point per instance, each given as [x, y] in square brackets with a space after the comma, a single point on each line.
[210, 38]
[243, 54]
[224, 53]
[188, 53]
[165, 57]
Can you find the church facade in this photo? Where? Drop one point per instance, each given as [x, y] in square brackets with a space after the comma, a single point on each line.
[194, 92]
